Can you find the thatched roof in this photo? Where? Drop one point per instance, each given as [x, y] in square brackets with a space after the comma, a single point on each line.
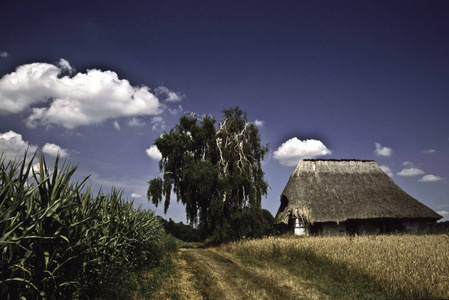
[340, 190]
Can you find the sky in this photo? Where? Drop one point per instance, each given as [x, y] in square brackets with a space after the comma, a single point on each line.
[99, 81]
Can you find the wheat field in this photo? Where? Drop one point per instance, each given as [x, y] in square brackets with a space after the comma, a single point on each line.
[415, 265]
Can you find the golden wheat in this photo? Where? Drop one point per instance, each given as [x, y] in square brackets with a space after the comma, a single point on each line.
[410, 263]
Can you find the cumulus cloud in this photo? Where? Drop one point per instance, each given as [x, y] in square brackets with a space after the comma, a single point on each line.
[154, 153]
[13, 146]
[259, 123]
[430, 178]
[387, 170]
[382, 151]
[164, 94]
[134, 195]
[117, 125]
[54, 150]
[410, 172]
[65, 65]
[71, 101]
[4, 54]
[293, 150]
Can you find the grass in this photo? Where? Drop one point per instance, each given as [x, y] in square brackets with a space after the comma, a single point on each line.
[194, 245]
[151, 281]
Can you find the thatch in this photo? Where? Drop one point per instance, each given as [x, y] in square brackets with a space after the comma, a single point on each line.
[340, 190]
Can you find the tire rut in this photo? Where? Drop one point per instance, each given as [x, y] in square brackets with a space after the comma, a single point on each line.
[222, 276]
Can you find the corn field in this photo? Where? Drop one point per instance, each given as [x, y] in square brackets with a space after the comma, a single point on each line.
[58, 241]
[412, 265]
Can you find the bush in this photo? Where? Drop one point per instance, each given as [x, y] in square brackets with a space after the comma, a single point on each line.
[439, 228]
[246, 223]
[181, 231]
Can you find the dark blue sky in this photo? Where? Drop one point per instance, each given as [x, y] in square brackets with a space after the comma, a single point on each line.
[346, 74]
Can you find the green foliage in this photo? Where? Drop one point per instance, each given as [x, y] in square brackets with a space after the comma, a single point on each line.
[439, 228]
[215, 172]
[58, 241]
[268, 223]
[181, 231]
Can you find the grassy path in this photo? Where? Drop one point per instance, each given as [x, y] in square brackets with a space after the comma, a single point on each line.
[210, 274]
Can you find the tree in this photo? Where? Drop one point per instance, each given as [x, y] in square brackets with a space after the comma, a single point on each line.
[216, 172]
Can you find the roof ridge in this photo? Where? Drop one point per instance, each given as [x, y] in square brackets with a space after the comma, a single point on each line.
[361, 160]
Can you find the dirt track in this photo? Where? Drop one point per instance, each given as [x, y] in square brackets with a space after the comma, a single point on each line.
[210, 274]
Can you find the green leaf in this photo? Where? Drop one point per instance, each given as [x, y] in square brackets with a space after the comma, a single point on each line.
[46, 256]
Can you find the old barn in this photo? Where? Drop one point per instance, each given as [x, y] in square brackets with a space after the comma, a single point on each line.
[336, 197]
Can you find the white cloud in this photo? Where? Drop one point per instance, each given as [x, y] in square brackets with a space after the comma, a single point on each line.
[158, 123]
[83, 99]
[100, 181]
[176, 110]
[154, 153]
[36, 167]
[134, 195]
[293, 150]
[383, 151]
[387, 170]
[65, 65]
[164, 94]
[117, 125]
[443, 213]
[137, 122]
[13, 146]
[4, 54]
[429, 151]
[407, 164]
[259, 123]
[410, 172]
[430, 178]
[54, 150]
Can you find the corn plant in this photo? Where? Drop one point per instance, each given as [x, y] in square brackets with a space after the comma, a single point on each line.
[59, 241]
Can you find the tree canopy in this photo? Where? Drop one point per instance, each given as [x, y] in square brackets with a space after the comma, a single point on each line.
[215, 171]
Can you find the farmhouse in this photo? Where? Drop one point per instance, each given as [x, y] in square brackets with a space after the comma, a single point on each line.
[336, 197]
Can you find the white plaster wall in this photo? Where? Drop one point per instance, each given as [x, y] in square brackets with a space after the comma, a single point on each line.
[301, 228]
